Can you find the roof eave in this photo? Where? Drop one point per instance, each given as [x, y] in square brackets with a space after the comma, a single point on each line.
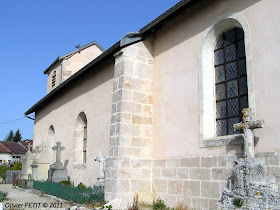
[112, 50]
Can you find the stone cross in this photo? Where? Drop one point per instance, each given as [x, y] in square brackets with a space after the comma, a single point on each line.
[101, 160]
[29, 146]
[58, 149]
[247, 125]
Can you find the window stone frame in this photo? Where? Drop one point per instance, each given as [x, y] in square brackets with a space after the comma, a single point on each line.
[207, 95]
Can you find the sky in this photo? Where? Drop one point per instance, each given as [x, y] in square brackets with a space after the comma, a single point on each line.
[33, 33]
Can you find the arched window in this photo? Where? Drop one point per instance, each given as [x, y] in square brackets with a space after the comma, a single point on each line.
[80, 141]
[225, 79]
[50, 143]
[230, 80]
[53, 79]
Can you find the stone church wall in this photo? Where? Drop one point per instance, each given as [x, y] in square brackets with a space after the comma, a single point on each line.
[199, 181]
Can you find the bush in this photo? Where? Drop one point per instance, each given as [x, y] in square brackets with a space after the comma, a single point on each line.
[65, 183]
[159, 205]
[238, 202]
[81, 186]
[17, 166]
[3, 195]
[3, 170]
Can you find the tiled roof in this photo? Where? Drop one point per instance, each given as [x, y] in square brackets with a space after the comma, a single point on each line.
[26, 142]
[3, 149]
[14, 147]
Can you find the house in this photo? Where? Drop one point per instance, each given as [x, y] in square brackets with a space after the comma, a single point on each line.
[161, 102]
[11, 152]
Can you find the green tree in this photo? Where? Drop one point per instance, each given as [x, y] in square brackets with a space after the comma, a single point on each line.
[17, 137]
[10, 136]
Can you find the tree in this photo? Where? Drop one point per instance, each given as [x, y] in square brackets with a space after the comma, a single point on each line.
[17, 137]
[10, 136]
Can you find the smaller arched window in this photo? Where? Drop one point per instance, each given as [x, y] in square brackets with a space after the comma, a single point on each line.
[53, 79]
[50, 143]
[80, 142]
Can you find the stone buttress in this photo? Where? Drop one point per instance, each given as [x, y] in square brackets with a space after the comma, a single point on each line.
[128, 167]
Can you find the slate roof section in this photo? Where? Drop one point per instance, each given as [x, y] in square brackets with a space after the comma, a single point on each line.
[13, 147]
[73, 52]
[145, 31]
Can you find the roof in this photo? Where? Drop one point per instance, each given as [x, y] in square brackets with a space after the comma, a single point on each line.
[73, 52]
[3, 149]
[14, 147]
[146, 30]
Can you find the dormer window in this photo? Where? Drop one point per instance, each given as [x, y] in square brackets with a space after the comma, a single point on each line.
[53, 79]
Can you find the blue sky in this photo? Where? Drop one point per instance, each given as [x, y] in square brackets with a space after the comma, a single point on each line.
[33, 33]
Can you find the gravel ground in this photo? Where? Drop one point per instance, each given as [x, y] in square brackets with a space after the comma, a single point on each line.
[18, 199]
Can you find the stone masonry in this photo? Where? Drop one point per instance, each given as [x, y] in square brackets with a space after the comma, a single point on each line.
[128, 167]
[198, 182]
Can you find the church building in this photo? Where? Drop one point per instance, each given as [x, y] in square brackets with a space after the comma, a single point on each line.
[161, 103]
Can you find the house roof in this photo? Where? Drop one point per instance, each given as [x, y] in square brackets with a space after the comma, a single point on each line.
[146, 30]
[14, 147]
[73, 52]
[3, 149]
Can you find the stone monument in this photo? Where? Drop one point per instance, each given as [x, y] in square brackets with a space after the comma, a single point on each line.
[57, 171]
[101, 178]
[250, 187]
[26, 163]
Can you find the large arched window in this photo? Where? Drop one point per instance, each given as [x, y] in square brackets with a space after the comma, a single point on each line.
[225, 79]
[230, 80]
[80, 141]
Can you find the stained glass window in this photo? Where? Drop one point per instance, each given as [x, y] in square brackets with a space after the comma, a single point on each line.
[230, 80]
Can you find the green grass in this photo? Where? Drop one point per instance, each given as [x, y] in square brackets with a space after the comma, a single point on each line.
[3, 195]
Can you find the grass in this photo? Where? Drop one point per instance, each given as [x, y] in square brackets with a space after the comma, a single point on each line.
[3, 196]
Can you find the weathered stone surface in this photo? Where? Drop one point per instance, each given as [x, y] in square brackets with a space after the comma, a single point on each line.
[170, 173]
[159, 186]
[175, 187]
[139, 163]
[156, 173]
[209, 161]
[146, 173]
[159, 163]
[173, 163]
[191, 188]
[140, 185]
[183, 173]
[220, 173]
[251, 184]
[199, 173]
[210, 189]
[138, 119]
[222, 161]
[141, 142]
[190, 162]
[129, 107]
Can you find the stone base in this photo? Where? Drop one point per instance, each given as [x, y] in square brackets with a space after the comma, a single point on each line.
[100, 182]
[59, 175]
[251, 186]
